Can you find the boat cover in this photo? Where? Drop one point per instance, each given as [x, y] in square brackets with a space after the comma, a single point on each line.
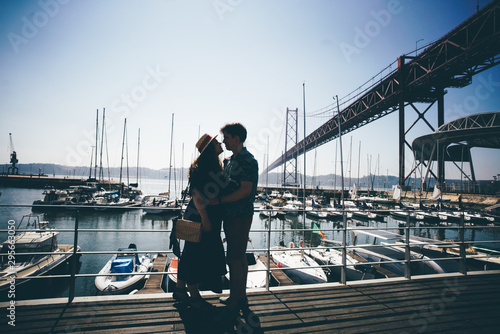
[122, 265]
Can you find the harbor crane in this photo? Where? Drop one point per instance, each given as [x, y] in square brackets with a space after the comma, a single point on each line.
[13, 159]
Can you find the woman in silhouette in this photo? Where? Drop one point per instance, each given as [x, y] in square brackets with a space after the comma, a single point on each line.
[203, 263]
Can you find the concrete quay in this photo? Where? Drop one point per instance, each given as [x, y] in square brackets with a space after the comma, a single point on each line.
[35, 181]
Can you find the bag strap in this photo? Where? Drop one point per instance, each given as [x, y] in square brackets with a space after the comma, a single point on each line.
[186, 191]
[174, 242]
[184, 197]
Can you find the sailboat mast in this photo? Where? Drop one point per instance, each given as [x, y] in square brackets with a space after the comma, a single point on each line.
[121, 162]
[91, 162]
[126, 151]
[378, 171]
[138, 150]
[101, 174]
[339, 120]
[267, 164]
[314, 167]
[343, 276]
[350, 163]
[182, 168]
[96, 140]
[335, 171]
[304, 103]
[359, 161]
[170, 163]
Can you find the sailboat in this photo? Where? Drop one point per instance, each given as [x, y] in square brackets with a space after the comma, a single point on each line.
[122, 197]
[302, 268]
[328, 253]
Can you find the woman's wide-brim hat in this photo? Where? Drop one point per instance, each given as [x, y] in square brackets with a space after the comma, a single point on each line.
[204, 141]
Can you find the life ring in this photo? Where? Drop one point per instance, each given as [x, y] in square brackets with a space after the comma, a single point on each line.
[291, 245]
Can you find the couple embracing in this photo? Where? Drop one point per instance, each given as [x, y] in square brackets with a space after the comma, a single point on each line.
[220, 195]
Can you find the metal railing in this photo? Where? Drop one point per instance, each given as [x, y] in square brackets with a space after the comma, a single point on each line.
[342, 246]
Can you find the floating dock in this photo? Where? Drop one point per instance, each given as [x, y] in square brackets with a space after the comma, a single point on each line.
[154, 282]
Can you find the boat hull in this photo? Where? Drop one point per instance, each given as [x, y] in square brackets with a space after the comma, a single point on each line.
[303, 269]
[37, 268]
[117, 284]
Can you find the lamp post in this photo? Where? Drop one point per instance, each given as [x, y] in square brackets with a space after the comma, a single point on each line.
[416, 45]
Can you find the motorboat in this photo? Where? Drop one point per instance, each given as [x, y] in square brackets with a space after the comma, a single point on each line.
[124, 271]
[172, 269]
[334, 213]
[274, 194]
[392, 255]
[291, 209]
[52, 197]
[263, 197]
[315, 210]
[392, 258]
[289, 196]
[429, 216]
[453, 217]
[268, 212]
[476, 217]
[403, 215]
[159, 205]
[367, 215]
[257, 272]
[16, 258]
[111, 199]
[316, 214]
[328, 253]
[303, 269]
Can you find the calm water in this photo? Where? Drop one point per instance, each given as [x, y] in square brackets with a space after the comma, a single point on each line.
[157, 239]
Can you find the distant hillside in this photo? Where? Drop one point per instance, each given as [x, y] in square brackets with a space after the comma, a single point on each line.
[332, 181]
[326, 181]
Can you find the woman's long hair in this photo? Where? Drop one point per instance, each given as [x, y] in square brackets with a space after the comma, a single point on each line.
[208, 163]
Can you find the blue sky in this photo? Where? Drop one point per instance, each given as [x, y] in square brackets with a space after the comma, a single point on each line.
[209, 63]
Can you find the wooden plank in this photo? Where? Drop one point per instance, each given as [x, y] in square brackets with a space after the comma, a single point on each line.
[460, 305]
[153, 283]
[382, 271]
[281, 278]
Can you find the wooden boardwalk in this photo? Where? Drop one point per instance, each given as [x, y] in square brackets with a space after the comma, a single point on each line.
[441, 304]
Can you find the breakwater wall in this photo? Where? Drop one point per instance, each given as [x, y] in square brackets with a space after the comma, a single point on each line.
[43, 181]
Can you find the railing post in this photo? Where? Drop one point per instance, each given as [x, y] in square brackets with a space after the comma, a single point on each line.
[407, 248]
[268, 275]
[463, 255]
[343, 276]
[73, 262]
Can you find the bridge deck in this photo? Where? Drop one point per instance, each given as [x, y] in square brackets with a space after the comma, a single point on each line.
[443, 304]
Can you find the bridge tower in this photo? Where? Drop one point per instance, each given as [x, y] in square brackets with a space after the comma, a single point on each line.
[408, 99]
[291, 138]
